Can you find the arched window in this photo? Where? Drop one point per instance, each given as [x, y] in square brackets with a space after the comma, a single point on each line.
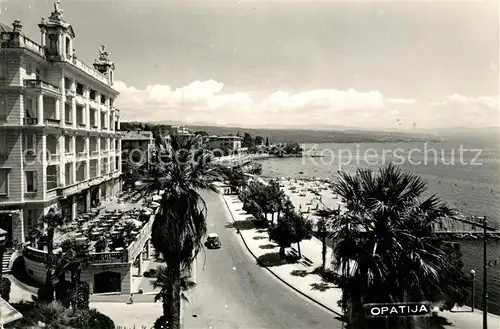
[68, 46]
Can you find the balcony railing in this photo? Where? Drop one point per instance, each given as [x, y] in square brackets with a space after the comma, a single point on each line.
[30, 121]
[70, 93]
[71, 189]
[17, 40]
[108, 257]
[52, 122]
[88, 69]
[54, 157]
[82, 154]
[40, 84]
[140, 240]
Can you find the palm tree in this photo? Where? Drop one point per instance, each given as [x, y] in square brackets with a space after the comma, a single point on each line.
[385, 249]
[180, 224]
[74, 258]
[161, 282]
[326, 217]
[49, 223]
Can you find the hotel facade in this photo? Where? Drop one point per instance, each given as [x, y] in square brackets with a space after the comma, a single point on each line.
[59, 130]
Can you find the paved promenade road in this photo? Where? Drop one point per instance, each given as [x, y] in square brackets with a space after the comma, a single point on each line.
[234, 292]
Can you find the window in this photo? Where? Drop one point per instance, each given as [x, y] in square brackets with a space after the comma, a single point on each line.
[67, 144]
[3, 106]
[29, 69]
[30, 142]
[4, 182]
[31, 181]
[32, 218]
[103, 99]
[3, 143]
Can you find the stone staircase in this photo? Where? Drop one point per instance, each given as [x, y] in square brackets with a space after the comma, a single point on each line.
[5, 261]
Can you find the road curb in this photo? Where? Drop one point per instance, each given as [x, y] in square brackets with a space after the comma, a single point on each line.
[276, 275]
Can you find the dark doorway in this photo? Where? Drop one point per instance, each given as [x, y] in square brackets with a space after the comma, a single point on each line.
[6, 224]
[94, 197]
[107, 282]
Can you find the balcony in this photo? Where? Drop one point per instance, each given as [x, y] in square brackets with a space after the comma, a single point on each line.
[40, 85]
[88, 69]
[70, 93]
[66, 191]
[52, 122]
[82, 154]
[18, 40]
[53, 158]
[30, 121]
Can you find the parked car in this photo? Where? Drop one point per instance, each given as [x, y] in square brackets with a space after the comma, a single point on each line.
[213, 241]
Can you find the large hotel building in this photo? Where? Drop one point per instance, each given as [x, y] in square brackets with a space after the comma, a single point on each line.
[59, 129]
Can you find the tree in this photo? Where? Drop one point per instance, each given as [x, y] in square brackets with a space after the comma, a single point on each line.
[247, 140]
[283, 233]
[162, 282]
[384, 246]
[180, 224]
[303, 230]
[49, 223]
[326, 217]
[267, 141]
[74, 258]
[234, 175]
[259, 140]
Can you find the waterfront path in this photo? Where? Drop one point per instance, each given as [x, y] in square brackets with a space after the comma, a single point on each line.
[298, 276]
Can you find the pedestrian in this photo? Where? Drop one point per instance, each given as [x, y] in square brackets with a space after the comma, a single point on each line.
[131, 299]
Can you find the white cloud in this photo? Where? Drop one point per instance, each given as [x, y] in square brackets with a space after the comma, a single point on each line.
[401, 101]
[457, 99]
[207, 101]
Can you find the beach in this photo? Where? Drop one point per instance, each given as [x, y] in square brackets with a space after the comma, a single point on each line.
[308, 196]
[471, 189]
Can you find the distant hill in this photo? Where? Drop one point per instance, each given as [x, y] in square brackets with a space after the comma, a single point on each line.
[316, 136]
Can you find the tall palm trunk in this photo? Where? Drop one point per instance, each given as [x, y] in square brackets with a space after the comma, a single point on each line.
[48, 276]
[173, 297]
[323, 250]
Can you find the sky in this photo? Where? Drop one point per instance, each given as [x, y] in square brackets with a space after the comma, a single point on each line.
[406, 65]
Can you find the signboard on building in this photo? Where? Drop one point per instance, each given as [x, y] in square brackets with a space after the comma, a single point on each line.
[397, 309]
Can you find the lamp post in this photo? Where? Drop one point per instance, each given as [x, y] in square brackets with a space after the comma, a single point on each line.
[473, 275]
[3, 240]
[485, 277]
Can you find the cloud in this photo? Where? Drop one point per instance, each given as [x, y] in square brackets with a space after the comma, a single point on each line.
[209, 102]
[457, 99]
[401, 101]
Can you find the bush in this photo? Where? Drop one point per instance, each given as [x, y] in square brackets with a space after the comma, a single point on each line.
[6, 288]
[91, 319]
[97, 320]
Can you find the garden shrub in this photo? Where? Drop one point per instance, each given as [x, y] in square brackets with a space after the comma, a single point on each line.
[6, 288]
[97, 320]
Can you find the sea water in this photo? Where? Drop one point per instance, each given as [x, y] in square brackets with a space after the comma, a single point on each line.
[466, 175]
